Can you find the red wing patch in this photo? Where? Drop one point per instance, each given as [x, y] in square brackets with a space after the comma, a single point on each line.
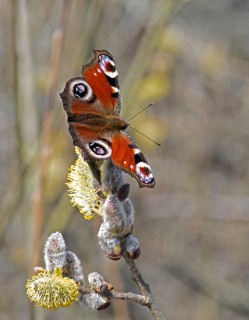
[86, 133]
[79, 107]
[100, 85]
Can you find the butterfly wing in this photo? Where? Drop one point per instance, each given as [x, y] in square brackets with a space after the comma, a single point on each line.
[101, 74]
[128, 157]
[90, 100]
[86, 120]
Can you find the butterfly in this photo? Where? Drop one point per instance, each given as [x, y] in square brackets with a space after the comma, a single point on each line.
[93, 104]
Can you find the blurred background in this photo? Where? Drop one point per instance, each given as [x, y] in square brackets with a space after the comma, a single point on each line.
[191, 58]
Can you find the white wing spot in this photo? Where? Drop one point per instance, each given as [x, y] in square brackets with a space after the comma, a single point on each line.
[111, 74]
[114, 89]
[136, 151]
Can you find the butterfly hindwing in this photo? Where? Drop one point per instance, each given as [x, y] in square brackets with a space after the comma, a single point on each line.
[128, 157]
[80, 103]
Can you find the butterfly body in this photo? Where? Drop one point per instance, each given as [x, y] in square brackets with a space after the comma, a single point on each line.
[93, 105]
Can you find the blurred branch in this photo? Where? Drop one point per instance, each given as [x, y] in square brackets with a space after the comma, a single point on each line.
[10, 205]
[230, 295]
[163, 12]
[39, 198]
[39, 201]
[24, 108]
[24, 83]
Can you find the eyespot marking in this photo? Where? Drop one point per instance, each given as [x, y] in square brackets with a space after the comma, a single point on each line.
[98, 149]
[80, 89]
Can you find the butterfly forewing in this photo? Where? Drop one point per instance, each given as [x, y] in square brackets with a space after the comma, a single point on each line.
[102, 76]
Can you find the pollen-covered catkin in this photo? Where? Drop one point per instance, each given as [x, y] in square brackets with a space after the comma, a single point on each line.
[51, 290]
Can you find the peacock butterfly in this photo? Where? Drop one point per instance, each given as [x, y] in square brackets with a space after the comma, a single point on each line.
[92, 103]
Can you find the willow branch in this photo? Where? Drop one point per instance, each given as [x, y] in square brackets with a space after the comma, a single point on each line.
[144, 288]
[127, 296]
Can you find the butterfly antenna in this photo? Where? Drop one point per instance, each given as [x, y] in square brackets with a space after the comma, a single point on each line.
[158, 144]
[151, 104]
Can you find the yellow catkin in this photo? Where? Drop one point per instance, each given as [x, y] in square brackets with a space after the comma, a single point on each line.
[51, 290]
[81, 189]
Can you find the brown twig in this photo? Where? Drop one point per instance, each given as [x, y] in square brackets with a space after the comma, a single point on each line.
[127, 296]
[146, 299]
[120, 310]
[144, 288]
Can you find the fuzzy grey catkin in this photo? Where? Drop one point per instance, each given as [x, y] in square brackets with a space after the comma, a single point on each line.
[93, 300]
[73, 268]
[55, 252]
[113, 177]
[132, 247]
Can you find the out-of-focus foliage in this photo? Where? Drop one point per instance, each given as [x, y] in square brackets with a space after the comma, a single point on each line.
[192, 60]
